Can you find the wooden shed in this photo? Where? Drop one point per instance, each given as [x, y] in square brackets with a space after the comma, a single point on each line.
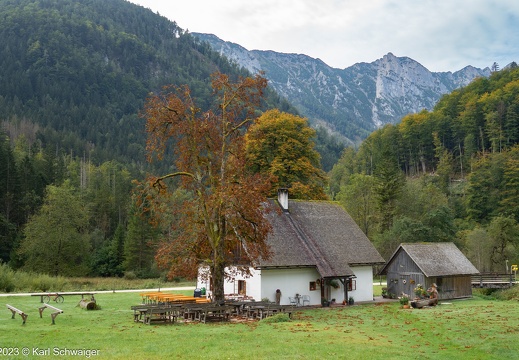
[427, 263]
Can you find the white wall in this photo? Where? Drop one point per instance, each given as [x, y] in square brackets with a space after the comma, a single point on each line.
[253, 284]
[364, 281]
[364, 286]
[290, 282]
[263, 284]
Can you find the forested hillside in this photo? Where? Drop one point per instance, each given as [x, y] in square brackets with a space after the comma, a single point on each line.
[74, 75]
[446, 175]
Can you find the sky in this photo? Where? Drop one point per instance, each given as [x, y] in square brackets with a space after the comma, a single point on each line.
[442, 35]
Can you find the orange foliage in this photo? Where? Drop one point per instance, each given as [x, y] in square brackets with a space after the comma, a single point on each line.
[223, 222]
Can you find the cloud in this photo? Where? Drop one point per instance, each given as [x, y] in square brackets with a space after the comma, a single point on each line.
[441, 35]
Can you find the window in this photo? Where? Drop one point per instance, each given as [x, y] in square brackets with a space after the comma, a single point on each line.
[242, 287]
[313, 285]
[352, 285]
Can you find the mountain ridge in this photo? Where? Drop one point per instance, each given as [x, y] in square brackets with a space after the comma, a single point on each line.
[354, 101]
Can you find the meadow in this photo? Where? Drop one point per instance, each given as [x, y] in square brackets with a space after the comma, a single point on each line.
[476, 328]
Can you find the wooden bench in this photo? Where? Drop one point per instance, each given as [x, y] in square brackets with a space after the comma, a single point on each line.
[160, 314]
[52, 315]
[17, 311]
[221, 312]
[147, 314]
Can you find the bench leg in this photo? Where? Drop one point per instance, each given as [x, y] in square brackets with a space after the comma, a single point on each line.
[53, 316]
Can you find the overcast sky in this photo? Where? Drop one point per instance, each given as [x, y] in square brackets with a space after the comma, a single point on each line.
[442, 35]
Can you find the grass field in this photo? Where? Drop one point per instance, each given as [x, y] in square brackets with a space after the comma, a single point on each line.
[467, 329]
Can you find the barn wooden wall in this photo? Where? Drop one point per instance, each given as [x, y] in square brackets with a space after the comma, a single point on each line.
[403, 275]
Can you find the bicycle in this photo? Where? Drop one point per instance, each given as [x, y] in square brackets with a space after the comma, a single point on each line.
[56, 297]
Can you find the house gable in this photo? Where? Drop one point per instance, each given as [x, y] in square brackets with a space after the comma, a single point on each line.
[320, 234]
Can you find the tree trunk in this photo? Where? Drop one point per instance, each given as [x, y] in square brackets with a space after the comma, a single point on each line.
[218, 276]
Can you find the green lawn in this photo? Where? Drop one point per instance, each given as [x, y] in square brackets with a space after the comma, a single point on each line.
[468, 329]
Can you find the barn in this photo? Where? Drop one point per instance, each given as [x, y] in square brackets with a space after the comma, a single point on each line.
[427, 263]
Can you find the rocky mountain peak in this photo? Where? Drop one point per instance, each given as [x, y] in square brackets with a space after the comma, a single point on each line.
[354, 101]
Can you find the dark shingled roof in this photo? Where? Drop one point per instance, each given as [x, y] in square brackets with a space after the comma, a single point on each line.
[319, 234]
[437, 259]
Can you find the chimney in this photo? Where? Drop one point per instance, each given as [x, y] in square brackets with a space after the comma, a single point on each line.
[283, 199]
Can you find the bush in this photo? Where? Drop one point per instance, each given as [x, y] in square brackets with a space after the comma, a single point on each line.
[488, 294]
[43, 282]
[130, 275]
[508, 294]
[7, 278]
[278, 318]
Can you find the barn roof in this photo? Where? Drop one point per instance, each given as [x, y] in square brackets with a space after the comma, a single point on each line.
[318, 234]
[436, 259]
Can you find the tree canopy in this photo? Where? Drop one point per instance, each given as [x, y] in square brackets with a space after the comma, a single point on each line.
[460, 163]
[280, 145]
[223, 222]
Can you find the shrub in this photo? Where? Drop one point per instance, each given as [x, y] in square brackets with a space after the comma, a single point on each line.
[278, 318]
[508, 294]
[130, 275]
[43, 282]
[7, 278]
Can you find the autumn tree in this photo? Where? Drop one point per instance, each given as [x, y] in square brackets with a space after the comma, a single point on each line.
[280, 145]
[223, 221]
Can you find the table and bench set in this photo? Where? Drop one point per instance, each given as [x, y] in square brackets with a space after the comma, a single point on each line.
[168, 308]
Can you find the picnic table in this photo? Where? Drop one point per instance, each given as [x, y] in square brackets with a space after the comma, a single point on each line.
[166, 298]
[169, 307]
[155, 313]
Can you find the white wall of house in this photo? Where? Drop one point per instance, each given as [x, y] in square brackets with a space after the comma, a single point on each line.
[290, 282]
[251, 287]
[263, 284]
[363, 286]
[364, 282]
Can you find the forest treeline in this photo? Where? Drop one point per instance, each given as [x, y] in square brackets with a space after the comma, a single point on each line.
[75, 74]
[67, 216]
[406, 183]
[451, 174]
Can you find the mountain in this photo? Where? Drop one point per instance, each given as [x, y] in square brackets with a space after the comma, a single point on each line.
[74, 74]
[354, 101]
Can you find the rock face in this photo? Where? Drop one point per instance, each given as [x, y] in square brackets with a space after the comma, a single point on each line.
[350, 102]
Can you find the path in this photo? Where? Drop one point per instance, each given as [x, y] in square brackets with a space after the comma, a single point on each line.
[106, 291]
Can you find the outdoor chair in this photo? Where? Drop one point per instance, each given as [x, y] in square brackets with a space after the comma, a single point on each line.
[292, 300]
[305, 299]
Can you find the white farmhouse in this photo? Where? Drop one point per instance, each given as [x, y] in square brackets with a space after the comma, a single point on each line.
[318, 252]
